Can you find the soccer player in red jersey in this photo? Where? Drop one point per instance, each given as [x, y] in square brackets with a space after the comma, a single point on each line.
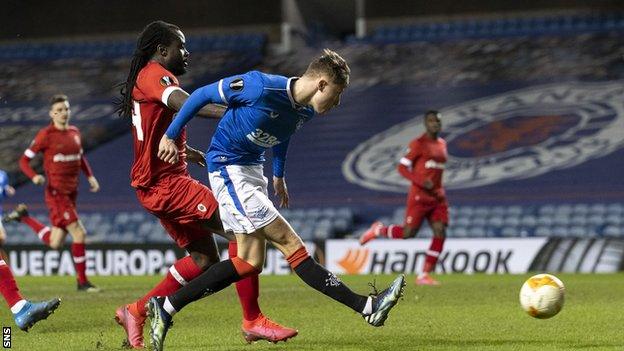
[63, 158]
[186, 208]
[423, 166]
[25, 313]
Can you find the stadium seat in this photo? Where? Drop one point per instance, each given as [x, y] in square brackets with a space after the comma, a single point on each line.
[479, 221]
[561, 219]
[543, 231]
[545, 220]
[477, 232]
[578, 220]
[458, 232]
[528, 221]
[560, 231]
[612, 230]
[613, 219]
[463, 221]
[577, 231]
[510, 232]
[546, 210]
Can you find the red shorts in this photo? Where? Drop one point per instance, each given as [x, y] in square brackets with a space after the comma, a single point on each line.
[418, 209]
[61, 207]
[180, 202]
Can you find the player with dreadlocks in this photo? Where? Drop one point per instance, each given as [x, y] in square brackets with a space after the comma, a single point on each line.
[186, 208]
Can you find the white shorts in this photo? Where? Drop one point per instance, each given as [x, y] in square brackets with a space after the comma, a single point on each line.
[244, 204]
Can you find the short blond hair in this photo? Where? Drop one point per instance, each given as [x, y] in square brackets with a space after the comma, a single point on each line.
[331, 64]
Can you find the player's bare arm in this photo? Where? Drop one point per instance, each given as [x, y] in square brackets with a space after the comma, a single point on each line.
[9, 190]
[281, 191]
[178, 97]
[38, 179]
[167, 150]
[195, 156]
[94, 185]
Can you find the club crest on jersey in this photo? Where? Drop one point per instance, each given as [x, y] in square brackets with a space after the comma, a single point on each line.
[515, 135]
[237, 84]
[166, 81]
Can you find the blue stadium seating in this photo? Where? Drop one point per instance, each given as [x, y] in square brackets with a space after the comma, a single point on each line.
[492, 28]
[576, 220]
[141, 227]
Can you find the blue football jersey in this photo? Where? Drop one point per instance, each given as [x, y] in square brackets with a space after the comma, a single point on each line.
[261, 113]
[4, 181]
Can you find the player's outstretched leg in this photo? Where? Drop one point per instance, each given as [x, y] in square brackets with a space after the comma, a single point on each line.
[132, 316]
[384, 301]
[255, 325]
[214, 279]
[133, 327]
[374, 308]
[378, 230]
[372, 233]
[160, 322]
[21, 210]
[33, 312]
[25, 313]
[20, 214]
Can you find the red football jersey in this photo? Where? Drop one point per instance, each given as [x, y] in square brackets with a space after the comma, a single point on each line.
[425, 160]
[62, 157]
[151, 116]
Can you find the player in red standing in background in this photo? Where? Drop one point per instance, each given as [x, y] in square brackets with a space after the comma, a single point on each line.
[423, 166]
[63, 159]
[186, 208]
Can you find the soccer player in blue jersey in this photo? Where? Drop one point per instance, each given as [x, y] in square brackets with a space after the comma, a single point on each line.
[263, 112]
[5, 190]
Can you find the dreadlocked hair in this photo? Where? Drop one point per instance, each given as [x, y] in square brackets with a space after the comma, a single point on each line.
[154, 34]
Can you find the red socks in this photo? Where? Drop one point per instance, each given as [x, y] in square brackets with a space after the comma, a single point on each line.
[248, 290]
[437, 243]
[80, 261]
[297, 257]
[392, 231]
[185, 270]
[42, 231]
[8, 286]
[182, 272]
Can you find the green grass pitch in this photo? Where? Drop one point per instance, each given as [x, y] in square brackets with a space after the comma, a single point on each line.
[468, 312]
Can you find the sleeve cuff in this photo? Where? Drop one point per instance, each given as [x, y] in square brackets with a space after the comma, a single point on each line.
[167, 93]
[405, 162]
[29, 153]
[221, 93]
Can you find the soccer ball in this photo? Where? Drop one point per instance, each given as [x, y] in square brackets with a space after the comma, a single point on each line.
[542, 296]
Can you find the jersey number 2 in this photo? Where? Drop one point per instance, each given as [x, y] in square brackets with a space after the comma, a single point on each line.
[136, 120]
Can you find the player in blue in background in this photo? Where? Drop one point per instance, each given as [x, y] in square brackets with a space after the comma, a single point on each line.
[263, 112]
[6, 190]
